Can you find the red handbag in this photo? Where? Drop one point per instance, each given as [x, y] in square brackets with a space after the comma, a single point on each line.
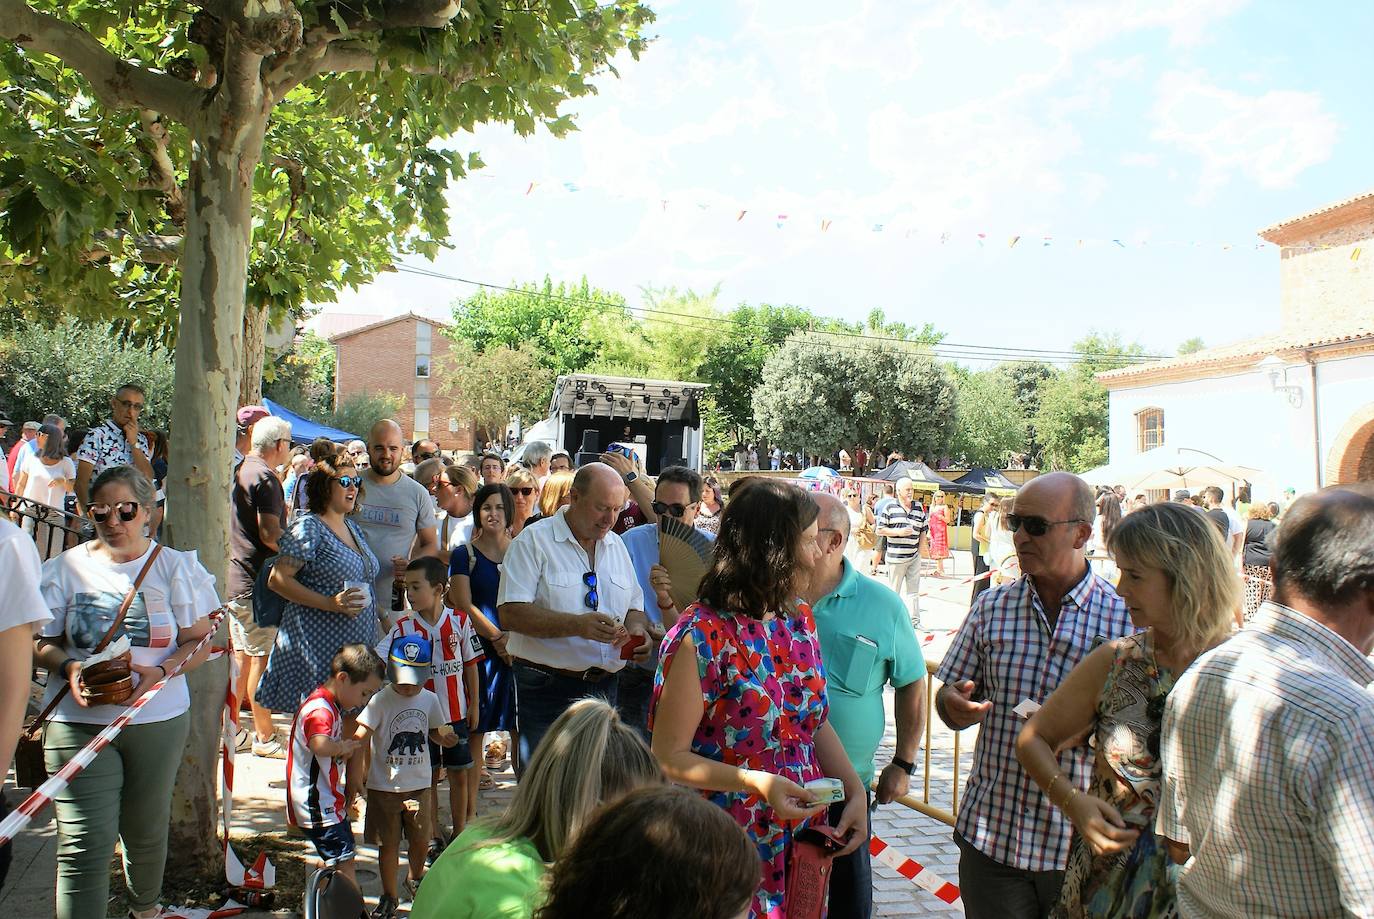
[808, 871]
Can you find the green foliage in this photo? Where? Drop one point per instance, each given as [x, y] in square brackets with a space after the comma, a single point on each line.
[494, 384]
[302, 379]
[1191, 346]
[74, 368]
[679, 330]
[1071, 420]
[991, 423]
[353, 172]
[1025, 380]
[357, 413]
[820, 397]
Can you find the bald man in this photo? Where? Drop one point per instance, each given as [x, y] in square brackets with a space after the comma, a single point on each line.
[396, 514]
[570, 600]
[1016, 645]
[867, 641]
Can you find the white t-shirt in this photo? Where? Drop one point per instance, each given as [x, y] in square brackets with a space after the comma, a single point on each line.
[21, 602]
[84, 590]
[400, 728]
[453, 532]
[40, 485]
[456, 648]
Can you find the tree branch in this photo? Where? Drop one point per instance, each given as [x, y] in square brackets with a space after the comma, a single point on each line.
[164, 176]
[115, 82]
[153, 249]
[351, 57]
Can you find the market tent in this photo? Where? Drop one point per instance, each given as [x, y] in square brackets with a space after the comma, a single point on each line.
[303, 430]
[1166, 468]
[985, 479]
[920, 474]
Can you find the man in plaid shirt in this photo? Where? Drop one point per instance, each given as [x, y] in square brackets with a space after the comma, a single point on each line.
[1016, 645]
[1268, 739]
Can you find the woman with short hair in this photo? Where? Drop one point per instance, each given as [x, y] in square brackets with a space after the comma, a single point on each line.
[125, 793]
[318, 556]
[495, 869]
[1178, 580]
[739, 707]
[524, 487]
[1255, 554]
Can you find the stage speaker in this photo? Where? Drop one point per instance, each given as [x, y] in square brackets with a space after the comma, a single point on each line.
[672, 452]
[591, 442]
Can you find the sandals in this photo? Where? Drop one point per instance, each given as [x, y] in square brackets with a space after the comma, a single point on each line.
[496, 754]
[486, 782]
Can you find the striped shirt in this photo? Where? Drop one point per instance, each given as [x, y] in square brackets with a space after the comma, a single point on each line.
[901, 548]
[455, 645]
[315, 784]
[1268, 750]
[1008, 649]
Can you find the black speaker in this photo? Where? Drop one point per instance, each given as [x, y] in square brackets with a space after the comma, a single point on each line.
[591, 442]
[672, 452]
[583, 459]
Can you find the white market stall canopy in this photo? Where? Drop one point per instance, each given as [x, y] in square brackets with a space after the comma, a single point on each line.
[1171, 468]
[595, 396]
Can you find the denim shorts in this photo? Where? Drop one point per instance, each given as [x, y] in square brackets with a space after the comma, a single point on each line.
[458, 756]
[334, 843]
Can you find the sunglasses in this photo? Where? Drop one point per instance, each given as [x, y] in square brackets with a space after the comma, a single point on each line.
[100, 513]
[672, 510]
[592, 599]
[1035, 526]
[526, 491]
[427, 456]
[349, 481]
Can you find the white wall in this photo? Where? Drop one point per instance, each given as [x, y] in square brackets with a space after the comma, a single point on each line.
[1239, 418]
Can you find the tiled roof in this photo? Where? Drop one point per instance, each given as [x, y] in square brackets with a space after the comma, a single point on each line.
[1242, 351]
[327, 325]
[1362, 198]
[378, 323]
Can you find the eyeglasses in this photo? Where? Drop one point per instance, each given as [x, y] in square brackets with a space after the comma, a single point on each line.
[1035, 526]
[592, 599]
[100, 513]
[524, 491]
[131, 406]
[671, 510]
[349, 481]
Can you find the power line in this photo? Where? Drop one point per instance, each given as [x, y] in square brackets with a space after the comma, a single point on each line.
[952, 350]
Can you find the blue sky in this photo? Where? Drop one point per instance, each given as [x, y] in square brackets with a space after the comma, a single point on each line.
[1175, 126]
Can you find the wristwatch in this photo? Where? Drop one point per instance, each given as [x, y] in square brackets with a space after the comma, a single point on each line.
[630, 476]
[908, 768]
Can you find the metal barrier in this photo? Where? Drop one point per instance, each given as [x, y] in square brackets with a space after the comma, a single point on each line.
[922, 804]
[53, 530]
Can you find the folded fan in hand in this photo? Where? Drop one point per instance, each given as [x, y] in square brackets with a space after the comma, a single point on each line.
[686, 553]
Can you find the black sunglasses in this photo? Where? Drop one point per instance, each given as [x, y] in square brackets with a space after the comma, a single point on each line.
[672, 510]
[1035, 526]
[592, 599]
[426, 456]
[526, 491]
[349, 481]
[128, 510]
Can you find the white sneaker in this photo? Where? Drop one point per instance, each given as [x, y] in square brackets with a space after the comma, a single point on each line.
[270, 748]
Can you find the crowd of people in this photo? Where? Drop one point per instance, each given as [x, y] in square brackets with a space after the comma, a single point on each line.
[1156, 738]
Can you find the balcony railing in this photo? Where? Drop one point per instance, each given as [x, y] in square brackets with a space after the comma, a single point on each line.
[53, 530]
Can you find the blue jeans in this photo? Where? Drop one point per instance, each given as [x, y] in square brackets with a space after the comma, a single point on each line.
[541, 697]
[635, 691]
[851, 877]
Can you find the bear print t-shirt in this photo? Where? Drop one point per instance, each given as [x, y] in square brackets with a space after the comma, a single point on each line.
[400, 728]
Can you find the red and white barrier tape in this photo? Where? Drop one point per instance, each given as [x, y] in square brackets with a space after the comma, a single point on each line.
[944, 587]
[915, 872]
[44, 794]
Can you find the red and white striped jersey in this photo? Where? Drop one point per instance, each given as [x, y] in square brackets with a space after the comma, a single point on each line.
[455, 645]
[315, 784]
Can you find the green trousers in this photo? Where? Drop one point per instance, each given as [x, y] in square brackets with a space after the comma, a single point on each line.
[126, 793]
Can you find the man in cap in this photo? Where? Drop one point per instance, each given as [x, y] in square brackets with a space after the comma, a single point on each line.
[247, 416]
[28, 434]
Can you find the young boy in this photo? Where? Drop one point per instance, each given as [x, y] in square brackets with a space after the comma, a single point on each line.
[457, 652]
[315, 798]
[398, 720]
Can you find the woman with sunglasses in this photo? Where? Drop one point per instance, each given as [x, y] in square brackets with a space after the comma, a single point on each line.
[1181, 588]
[126, 792]
[325, 570]
[739, 708]
[46, 478]
[525, 489]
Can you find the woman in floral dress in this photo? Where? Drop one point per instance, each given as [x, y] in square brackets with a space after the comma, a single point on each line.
[1179, 582]
[744, 719]
[939, 532]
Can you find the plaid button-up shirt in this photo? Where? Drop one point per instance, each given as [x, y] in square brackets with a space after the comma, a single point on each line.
[1268, 751]
[1007, 648]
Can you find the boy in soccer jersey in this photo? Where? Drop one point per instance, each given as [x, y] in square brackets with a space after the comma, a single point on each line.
[400, 721]
[315, 787]
[453, 679]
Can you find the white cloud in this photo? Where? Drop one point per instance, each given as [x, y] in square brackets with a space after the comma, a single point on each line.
[1270, 138]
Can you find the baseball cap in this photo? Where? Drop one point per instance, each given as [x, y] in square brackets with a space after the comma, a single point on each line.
[5, 421]
[32, 425]
[251, 414]
[408, 663]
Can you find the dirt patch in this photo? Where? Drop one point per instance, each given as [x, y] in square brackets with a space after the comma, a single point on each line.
[294, 859]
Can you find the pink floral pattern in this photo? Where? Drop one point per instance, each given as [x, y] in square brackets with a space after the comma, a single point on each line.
[763, 689]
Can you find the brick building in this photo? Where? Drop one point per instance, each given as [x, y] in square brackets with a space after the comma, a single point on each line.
[401, 355]
[1297, 403]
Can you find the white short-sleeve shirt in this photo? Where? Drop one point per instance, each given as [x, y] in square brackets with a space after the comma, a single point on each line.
[21, 603]
[545, 566]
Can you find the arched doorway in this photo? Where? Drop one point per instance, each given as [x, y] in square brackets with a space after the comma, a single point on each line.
[1352, 455]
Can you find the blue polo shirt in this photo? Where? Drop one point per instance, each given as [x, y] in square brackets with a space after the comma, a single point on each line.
[866, 642]
[642, 544]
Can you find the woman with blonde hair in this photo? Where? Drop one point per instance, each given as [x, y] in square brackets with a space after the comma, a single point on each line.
[1002, 550]
[495, 869]
[1255, 552]
[1179, 583]
[939, 532]
[556, 493]
[525, 488]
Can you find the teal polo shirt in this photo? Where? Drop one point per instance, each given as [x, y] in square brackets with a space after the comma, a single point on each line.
[866, 642]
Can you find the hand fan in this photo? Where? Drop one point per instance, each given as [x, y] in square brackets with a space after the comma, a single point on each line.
[686, 553]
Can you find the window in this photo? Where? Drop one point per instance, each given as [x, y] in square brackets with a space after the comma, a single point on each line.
[1149, 427]
[422, 365]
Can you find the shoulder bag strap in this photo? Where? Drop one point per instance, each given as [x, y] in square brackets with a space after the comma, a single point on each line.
[104, 642]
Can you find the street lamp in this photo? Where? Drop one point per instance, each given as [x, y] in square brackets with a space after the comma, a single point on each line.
[1277, 371]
